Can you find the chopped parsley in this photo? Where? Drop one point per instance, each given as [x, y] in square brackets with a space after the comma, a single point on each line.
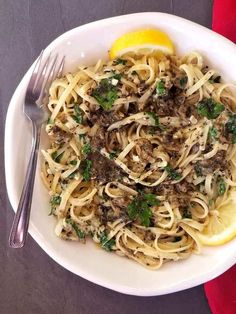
[82, 136]
[105, 243]
[140, 208]
[54, 155]
[116, 76]
[215, 79]
[134, 73]
[160, 89]
[54, 201]
[173, 174]
[105, 94]
[57, 157]
[230, 127]
[119, 61]
[221, 186]
[151, 199]
[86, 149]
[154, 117]
[113, 155]
[73, 162]
[213, 134]
[183, 81]
[78, 114]
[210, 108]
[87, 169]
[49, 121]
[79, 233]
[72, 175]
[198, 170]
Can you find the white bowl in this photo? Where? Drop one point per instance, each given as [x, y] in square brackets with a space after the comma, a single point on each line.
[85, 45]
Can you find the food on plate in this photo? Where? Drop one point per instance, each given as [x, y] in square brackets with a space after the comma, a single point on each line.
[221, 227]
[141, 41]
[142, 153]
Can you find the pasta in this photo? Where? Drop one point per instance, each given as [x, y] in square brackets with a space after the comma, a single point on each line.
[142, 150]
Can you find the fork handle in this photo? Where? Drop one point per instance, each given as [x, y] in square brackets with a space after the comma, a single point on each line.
[20, 224]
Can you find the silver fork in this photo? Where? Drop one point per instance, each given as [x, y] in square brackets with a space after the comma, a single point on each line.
[42, 76]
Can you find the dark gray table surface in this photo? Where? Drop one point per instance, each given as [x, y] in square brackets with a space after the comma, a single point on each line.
[30, 281]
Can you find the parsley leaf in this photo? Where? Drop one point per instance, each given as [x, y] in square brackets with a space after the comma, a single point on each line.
[73, 162]
[198, 170]
[230, 127]
[57, 157]
[54, 201]
[72, 175]
[50, 121]
[183, 81]
[105, 243]
[86, 149]
[151, 199]
[112, 155]
[78, 114]
[209, 108]
[221, 186]
[213, 132]
[54, 155]
[215, 79]
[116, 76]
[140, 208]
[173, 174]
[81, 136]
[154, 117]
[87, 169]
[160, 89]
[80, 234]
[105, 94]
[119, 61]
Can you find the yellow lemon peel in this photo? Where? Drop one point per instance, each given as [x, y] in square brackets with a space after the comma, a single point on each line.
[146, 39]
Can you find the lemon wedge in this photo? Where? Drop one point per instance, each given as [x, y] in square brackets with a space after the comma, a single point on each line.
[222, 224]
[146, 39]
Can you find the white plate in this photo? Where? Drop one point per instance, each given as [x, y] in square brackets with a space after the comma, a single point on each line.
[84, 45]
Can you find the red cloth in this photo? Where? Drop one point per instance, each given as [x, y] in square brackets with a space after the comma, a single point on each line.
[221, 292]
[224, 18]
